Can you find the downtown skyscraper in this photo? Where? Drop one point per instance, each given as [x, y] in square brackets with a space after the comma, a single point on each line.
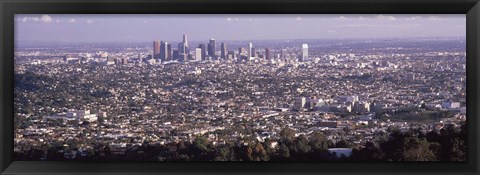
[212, 48]
[267, 54]
[185, 40]
[169, 52]
[163, 51]
[249, 51]
[156, 49]
[304, 55]
[198, 54]
[223, 51]
[204, 51]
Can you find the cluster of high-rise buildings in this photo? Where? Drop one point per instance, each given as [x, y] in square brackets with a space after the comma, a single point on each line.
[163, 51]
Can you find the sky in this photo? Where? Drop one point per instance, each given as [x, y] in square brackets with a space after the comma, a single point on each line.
[171, 27]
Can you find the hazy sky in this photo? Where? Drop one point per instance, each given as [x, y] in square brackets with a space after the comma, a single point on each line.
[146, 28]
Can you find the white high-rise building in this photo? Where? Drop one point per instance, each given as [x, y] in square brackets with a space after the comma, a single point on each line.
[304, 52]
[185, 41]
[198, 54]
[249, 51]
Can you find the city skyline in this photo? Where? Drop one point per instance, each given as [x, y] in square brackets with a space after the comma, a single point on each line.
[295, 88]
[141, 28]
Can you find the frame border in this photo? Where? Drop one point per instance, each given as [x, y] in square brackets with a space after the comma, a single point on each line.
[9, 7]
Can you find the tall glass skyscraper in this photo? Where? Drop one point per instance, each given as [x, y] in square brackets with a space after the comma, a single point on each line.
[211, 48]
[156, 49]
[223, 51]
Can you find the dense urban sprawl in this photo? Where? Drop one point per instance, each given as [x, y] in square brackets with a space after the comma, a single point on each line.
[285, 100]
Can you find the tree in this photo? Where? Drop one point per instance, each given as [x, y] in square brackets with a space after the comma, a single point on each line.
[201, 143]
[250, 153]
[223, 154]
[287, 134]
[301, 144]
[284, 151]
[318, 141]
[343, 144]
[370, 153]
[415, 149]
[260, 153]
[392, 146]
[457, 152]
[267, 144]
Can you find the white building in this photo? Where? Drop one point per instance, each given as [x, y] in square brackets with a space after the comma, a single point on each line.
[450, 105]
[79, 115]
[249, 51]
[194, 71]
[304, 52]
[198, 54]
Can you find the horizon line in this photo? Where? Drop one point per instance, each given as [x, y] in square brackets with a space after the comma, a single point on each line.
[198, 41]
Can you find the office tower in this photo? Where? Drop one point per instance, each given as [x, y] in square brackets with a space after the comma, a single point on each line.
[254, 54]
[208, 50]
[249, 51]
[282, 54]
[186, 49]
[267, 54]
[169, 52]
[198, 54]
[163, 51]
[140, 59]
[111, 59]
[185, 41]
[182, 57]
[304, 55]
[223, 51]
[175, 54]
[240, 53]
[204, 51]
[211, 48]
[156, 49]
[189, 56]
[230, 55]
[181, 48]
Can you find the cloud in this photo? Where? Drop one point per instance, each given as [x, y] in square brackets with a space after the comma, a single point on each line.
[298, 18]
[46, 19]
[361, 18]
[383, 17]
[413, 18]
[72, 20]
[435, 18]
[229, 19]
[89, 21]
[341, 18]
[145, 21]
[356, 25]
[43, 18]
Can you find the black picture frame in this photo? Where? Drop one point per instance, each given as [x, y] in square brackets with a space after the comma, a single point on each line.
[10, 7]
